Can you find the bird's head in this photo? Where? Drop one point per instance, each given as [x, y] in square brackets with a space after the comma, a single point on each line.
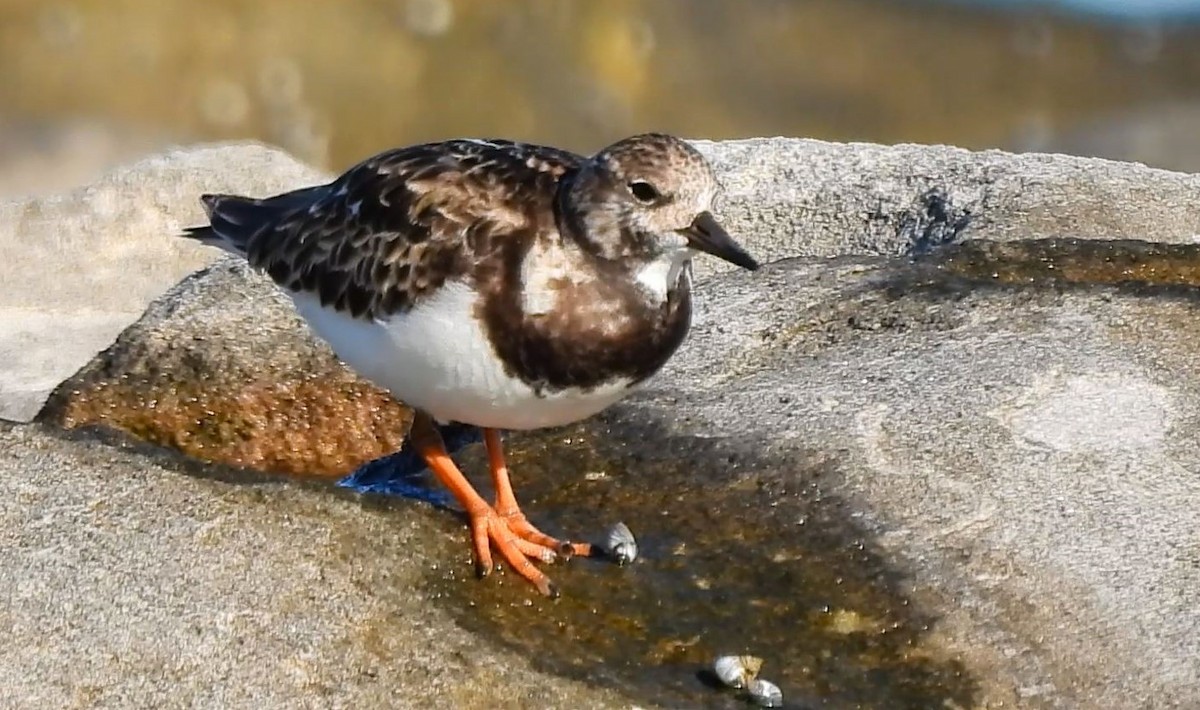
[649, 198]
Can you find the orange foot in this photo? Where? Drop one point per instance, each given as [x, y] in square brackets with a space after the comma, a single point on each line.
[489, 528]
[503, 526]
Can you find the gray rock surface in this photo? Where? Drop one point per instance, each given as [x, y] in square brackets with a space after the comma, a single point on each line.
[1028, 454]
[130, 584]
[79, 267]
[1014, 455]
[812, 198]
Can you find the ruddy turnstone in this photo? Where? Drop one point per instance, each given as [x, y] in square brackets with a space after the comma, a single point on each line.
[493, 283]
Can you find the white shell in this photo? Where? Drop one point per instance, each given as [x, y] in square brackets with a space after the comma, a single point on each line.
[620, 545]
[766, 693]
[737, 671]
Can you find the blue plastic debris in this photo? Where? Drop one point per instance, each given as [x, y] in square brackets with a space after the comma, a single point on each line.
[404, 473]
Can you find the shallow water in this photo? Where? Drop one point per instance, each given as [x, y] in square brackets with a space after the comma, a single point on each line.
[745, 552]
[737, 555]
[1146, 267]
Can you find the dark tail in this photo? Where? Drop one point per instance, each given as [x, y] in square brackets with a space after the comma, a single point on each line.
[234, 220]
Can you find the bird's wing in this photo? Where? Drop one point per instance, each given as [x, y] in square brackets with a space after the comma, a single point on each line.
[398, 225]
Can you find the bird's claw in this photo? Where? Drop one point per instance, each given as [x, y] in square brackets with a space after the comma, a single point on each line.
[518, 543]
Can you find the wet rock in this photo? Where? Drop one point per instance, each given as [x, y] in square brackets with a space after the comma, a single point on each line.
[1020, 450]
[132, 578]
[905, 469]
[79, 267]
[223, 369]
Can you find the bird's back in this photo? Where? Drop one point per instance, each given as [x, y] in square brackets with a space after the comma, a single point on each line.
[394, 228]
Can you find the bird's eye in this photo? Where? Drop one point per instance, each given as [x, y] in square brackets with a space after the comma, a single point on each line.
[643, 191]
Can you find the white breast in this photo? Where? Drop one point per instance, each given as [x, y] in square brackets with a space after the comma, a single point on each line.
[437, 358]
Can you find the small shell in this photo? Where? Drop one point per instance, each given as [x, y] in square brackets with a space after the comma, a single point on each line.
[766, 693]
[737, 671]
[620, 545]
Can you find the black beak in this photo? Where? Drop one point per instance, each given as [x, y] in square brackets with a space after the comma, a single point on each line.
[709, 237]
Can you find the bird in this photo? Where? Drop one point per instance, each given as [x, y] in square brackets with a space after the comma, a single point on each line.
[493, 283]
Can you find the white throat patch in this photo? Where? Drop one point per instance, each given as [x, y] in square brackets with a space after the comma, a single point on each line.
[660, 275]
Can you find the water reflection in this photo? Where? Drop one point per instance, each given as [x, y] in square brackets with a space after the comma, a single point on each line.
[1114, 9]
[333, 82]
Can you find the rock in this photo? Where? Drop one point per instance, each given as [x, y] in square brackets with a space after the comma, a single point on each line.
[223, 369]
[783, 197]
[1019, 449]
[905, 469]
[982, 479]
[134, 579]
[36, 347]
[78, 268]
[789, 197]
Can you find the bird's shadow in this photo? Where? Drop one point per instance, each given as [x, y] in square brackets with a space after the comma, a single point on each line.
[405, 474]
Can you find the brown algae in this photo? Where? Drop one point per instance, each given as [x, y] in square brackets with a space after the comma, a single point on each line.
[1051, 262]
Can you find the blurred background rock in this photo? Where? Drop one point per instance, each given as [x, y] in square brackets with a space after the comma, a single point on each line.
[89, 83]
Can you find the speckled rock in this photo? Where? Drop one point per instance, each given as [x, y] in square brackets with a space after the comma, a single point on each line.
[223, 369]
[79, 267]
[905, 469]
[133, 579]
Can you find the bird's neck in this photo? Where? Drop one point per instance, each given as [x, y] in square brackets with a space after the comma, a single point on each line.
[614, 245]
[664, 273]
[569, 216]
[587, 221]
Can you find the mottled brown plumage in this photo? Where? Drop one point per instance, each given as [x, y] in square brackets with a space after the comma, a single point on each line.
[493, 283]
[396, 226]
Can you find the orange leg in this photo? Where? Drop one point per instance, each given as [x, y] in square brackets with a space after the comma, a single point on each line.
[507, 508]
[487, 527]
